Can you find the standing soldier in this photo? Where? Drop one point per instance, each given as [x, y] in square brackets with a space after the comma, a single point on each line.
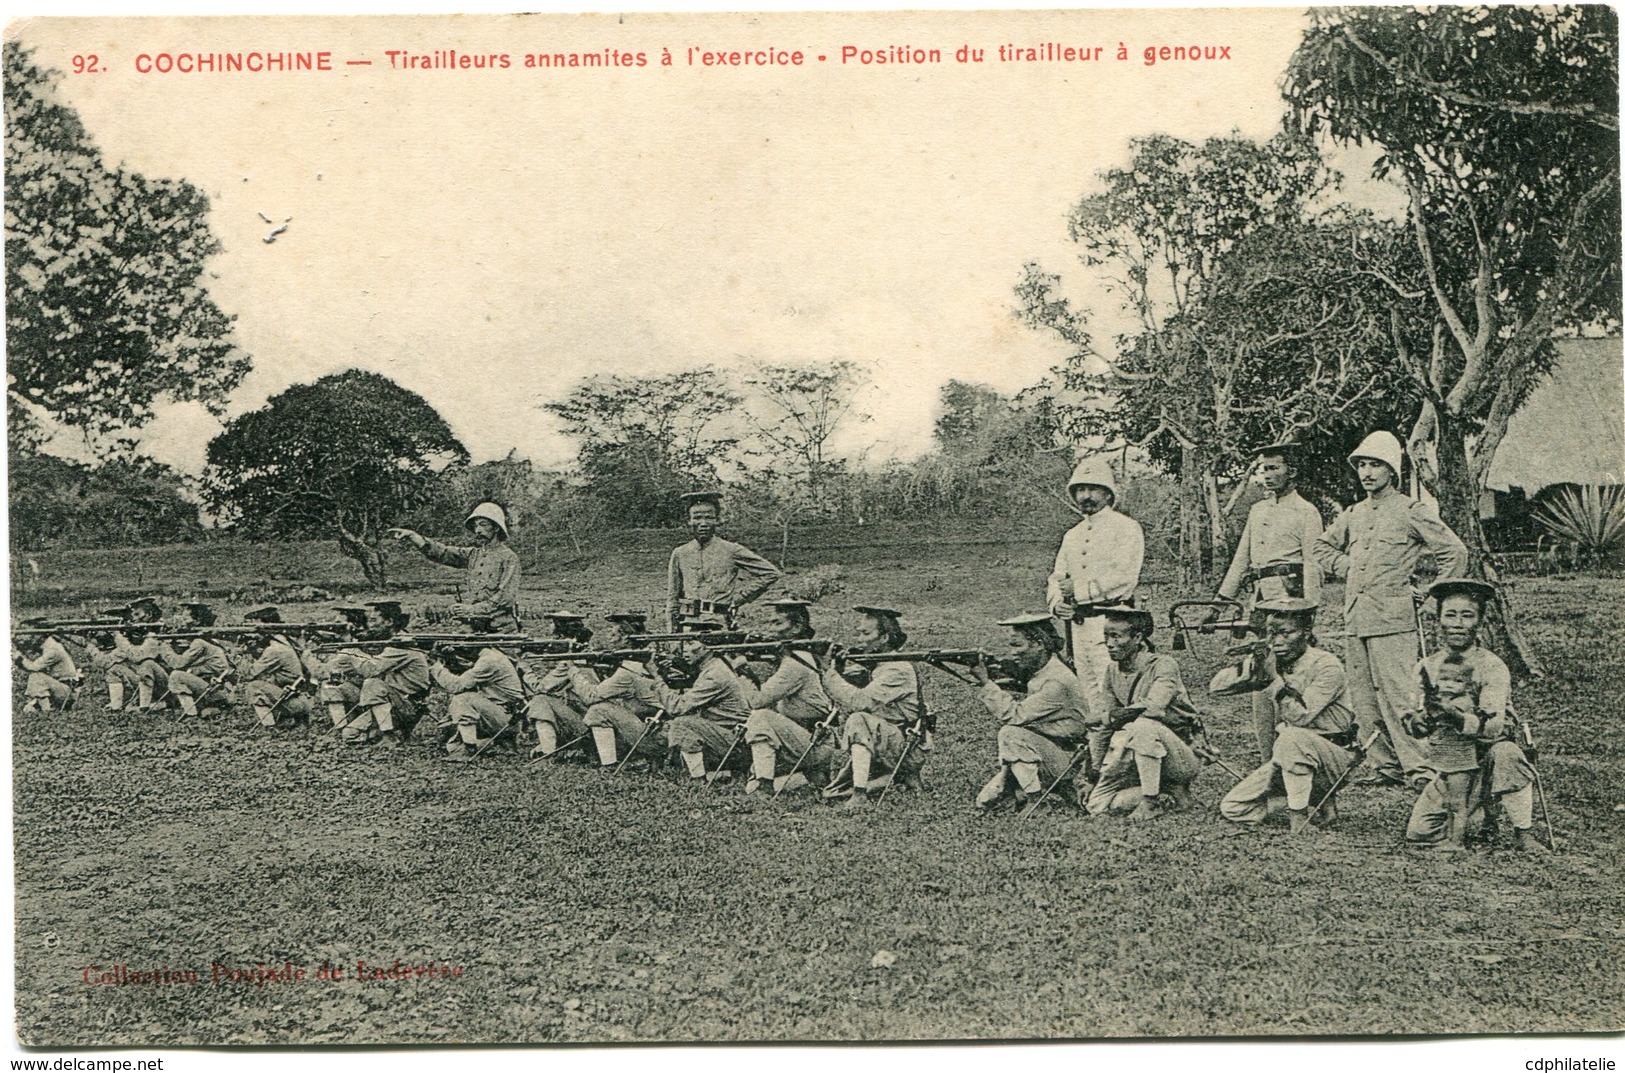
[275, 675]
[1313, 736]
[1375, 545]
[394, 682]
[887, 713]
[1275, 553]
[493, 566]
[789, 707]
[51, 672]
[619, 706]
[708, 717]
[1040, 731]
[1152, 717]
[710, 578]
[1097, 567]
[552, 703]
[1462, 705]
[484, 693]
[197, 671]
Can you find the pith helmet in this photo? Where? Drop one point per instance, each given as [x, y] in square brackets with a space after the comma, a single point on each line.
[1382, 446]
[492, 513]
[1090, 471]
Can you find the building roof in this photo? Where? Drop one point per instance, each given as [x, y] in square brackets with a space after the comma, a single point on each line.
[1572, 428]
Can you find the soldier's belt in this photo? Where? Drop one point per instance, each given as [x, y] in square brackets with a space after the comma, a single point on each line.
[1279, 570]
[705, 607]
[1099, 608]
[1344, 738]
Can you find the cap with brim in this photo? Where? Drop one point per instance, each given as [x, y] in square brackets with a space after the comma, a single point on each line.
[788, 602]
[264, 614]
[878, 612]
[391, 608]
[197, 607]
[356, 616]
[1133, 616]
[1287, 605]
[1480, 591]
[1285, 447]
[626, 616]
[1033, 618]
[691, 498]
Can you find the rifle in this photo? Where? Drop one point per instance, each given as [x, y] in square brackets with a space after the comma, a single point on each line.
[431, 640]
[261, 629]
[1540, 787]
[940, 658]
[722, 765]
[1361, 748]
[648, 725]
[711, 638]
[1233, 622]
[826, 724]
[601, 657]
[910, 736]
[85, 630]
[819, 646]
[1077, 754]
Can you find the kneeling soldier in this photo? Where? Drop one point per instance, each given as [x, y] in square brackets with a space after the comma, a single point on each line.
[51, 673]
[1151, 718]
[885, 725]
[554, 706]
[484, 692]
[620, 705]
[275, 677]
[1312, 721]
[790, 718]
[198, 672]
[339, 685]
[394, 682]
[1039, 732]
[708, 717]
[1463, 708]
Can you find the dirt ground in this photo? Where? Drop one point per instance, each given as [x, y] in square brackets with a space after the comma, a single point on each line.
[579, 907]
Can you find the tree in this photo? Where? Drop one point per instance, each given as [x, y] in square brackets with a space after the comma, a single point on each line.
[1255, 319]
[119, 503]
[642, 441]
[346, 457]
[1502, 125]
[106, 308]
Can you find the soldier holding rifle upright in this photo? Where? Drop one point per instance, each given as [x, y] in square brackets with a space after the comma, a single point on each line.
[1097, 567]
[709, 578]
[493, 566]
[1040, 732]
[1375, 545]
[1275, 554]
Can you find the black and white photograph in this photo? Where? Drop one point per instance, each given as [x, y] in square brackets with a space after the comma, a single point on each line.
[858, 527]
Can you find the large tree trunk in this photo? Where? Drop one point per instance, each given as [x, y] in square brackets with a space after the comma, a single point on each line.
[1457, 489]
[1194, 552]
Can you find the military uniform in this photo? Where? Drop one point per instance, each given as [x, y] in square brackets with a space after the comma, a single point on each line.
[713, 579]
[784, 710]
[51, 675]
[708, 716]
[1140, 757]
[553, 700]
[196, 671]
[880, 713]
[1481, 756]
[1099, 562]
[482, 699]
[622, 702]
[146, 658]
[394, 685]
[1375, 545]
[271, 684]
[1040, 730]
[1313, 744]
[493, 579]
[118, 673]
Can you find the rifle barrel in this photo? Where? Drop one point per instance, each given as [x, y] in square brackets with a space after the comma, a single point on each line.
[940, 655]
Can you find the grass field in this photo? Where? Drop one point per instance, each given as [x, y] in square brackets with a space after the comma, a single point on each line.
[584, 908]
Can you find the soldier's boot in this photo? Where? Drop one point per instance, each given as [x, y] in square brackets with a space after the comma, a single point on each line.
[1179, 796]
[603, 739]
[1298, 821]
[468, 744]
[115, 696]
[993, 791]
[188, 705]
[1145, 811]
[336, 712]
[1528, 843]
[547, 740]
[143, 693]
[764, 761]
[694, 764]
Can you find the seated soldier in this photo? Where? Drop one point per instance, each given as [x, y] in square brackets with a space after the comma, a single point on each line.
[142, 651]
[394, 681]
[885, 727]
[274, 678]
[553, 705]
[1040, 732]
[338, 684]
[708, 715]
[483, 692]
[1462, 706]
[51, 673]
[1147, 752]
[620, 706]
[789, 708]
[198, 667]
[1313, 732]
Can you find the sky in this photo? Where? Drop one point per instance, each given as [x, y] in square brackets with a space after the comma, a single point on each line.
[487, 238]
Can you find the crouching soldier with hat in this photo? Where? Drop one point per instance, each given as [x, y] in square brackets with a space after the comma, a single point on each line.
[708, 716]
[51, 673]
[1462, 707]
[338, 688]
[198, 667]
[791, 726]
[110, 658]
[493, 566]
[885, 729]
[1147, 751]
[1313, 744]
[394, 682]
[143, 652]
[274, 680]
[554, 707]
[1039, 733]
[620, 705]
[483, 695]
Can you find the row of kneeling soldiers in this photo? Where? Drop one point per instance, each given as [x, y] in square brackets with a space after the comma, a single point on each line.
[850, 721]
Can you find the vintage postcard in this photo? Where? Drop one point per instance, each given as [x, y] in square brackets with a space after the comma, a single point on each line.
[866, 526]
